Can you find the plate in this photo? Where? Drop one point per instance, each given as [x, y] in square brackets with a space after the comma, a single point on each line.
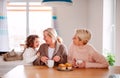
[59, 69]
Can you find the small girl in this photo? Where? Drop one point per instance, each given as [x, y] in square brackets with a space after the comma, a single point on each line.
[30, 53]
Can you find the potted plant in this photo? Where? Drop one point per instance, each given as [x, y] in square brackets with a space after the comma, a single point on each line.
[111, 59]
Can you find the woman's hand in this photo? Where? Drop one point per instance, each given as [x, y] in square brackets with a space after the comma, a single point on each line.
[44, 59]
[74, 62]
[81, 65]
[56, 58]
[77, 64]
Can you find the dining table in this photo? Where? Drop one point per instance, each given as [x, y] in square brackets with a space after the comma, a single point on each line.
[30, 71]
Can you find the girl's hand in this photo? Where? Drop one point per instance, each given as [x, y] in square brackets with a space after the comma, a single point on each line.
[56, 58]
[38, 54]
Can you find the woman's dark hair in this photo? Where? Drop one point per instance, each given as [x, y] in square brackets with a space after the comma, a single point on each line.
[30, 40]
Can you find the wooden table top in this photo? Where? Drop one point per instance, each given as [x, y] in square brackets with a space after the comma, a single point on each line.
[23, 71]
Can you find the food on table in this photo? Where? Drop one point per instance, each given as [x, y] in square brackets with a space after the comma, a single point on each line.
[66, 66]
[62, 67]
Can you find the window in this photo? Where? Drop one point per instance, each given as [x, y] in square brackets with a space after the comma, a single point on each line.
[109, 26]
[25, 19]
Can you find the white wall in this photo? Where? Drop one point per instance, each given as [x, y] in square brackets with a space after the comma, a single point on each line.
[117, 53]
[71, 17]
[95, 22]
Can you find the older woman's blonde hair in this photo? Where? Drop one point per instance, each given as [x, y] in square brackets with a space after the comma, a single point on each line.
[83, 35]
[53, 34]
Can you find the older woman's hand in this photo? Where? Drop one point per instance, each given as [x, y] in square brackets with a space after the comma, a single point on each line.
[74, 62]
[44, 59]
[78, 63]
[81, 65]
[56, 58]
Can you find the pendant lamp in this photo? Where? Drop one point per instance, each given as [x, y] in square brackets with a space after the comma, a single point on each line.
[57, 2]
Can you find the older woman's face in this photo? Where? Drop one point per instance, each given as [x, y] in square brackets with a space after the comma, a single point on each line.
[77, 41]
[47, 38]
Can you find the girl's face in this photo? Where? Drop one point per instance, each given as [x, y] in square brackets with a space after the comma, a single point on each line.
[76, 41]
[47, 38]
[36, 42]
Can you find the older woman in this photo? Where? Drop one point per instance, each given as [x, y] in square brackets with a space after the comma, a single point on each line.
[83, 55]
[52, 49]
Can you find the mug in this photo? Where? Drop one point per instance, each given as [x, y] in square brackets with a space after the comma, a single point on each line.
[50, 63]
[78, 61]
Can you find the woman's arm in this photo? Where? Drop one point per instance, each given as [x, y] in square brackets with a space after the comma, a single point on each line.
[99, 61]
[62, 53]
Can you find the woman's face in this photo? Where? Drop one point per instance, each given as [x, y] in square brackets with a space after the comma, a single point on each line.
[36, 42]
[47, 38]
[76, 41]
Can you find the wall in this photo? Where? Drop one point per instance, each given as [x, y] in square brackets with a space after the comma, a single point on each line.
[71, 17]
[95, 22]
[4, 40]
[117, 53]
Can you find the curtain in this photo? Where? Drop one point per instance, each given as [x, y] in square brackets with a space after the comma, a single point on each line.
[4, 39]
[54, 18]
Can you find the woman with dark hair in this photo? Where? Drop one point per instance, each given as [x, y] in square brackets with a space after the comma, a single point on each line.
[30, 53]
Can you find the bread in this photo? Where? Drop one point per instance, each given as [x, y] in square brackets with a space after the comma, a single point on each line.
[62, 67]
[68, 65]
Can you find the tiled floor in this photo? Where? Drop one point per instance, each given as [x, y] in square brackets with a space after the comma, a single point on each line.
[7, 66]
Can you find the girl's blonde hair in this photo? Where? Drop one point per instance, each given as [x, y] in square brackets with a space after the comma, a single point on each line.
[53, 34]
[84, 35]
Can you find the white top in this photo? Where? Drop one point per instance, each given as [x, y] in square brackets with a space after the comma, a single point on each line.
[29, 55]
[50, 52]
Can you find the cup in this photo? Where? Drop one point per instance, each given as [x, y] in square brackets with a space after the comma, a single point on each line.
[78, 61]
[50, 63]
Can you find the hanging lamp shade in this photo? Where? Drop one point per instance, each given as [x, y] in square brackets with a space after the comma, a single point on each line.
[57, 2]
